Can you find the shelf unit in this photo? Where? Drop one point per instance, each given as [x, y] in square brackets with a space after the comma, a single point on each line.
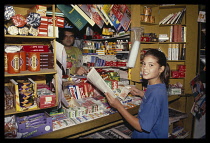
[31, 40]
[189, 20]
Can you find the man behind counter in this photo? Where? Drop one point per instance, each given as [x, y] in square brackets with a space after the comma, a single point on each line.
[74, 54]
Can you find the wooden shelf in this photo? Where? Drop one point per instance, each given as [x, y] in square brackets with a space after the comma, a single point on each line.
[13, 111]
[26, 73]
[86, 126]
[20, 36]
[117, 37]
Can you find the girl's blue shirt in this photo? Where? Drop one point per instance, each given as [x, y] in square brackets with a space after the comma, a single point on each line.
[153, 113]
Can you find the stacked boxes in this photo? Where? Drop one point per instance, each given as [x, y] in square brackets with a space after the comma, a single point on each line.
[25, 94]
[180, 72]
[34, 125]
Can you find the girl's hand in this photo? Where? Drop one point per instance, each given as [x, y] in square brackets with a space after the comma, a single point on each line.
[114, 102]
[135, 91]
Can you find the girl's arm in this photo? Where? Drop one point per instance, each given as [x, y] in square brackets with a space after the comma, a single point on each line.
[135, 91]
[133, 121]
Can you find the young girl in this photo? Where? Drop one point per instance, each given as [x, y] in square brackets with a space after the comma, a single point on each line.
[152, 120]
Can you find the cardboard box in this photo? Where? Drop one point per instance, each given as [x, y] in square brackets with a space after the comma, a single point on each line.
[34, 125]
[43, 30]
[20, 95]
[50, 31]
[59, 21]
[44, 21]
[38, 9]
[46, 98]
[35, 48]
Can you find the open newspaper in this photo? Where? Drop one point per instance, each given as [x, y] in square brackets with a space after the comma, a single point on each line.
[94, 78]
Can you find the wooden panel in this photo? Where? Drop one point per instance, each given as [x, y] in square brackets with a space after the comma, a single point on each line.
[135, 22]
[191, 46]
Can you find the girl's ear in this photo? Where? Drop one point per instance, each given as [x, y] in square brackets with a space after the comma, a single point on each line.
[162, 68]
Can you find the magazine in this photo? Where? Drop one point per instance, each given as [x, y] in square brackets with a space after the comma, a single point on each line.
[94, 78]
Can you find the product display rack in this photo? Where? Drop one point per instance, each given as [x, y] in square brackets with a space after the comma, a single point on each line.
[89, 127]
[30, 40]
[183, 104]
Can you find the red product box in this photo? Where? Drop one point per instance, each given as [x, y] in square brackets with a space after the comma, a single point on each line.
[145, 39]
[175, 74]
[59, 21]
[46, 101]
[46, 98]
[85, 89]
[43, 31]
[81, 90]
[73, 91]
[44, 21]
[181, 74]
[181, 68]
[35, 48]
[121, 64]
[111, 63]
[114, 63]
[107, 63]
[40, 85]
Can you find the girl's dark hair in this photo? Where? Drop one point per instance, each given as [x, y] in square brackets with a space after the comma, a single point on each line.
[162, 61]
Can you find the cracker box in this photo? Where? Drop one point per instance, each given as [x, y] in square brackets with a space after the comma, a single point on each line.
[25, 94]
[46, 98]
[34, 125]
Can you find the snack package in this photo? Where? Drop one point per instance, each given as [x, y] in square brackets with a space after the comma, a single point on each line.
[19, 20]
[8, 12]
[10, 127]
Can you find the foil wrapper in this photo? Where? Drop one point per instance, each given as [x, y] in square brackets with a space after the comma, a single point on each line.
[33, 19]
[12, 30]
[23, 30]
[33, 31]
[19, 20]
[8, 12]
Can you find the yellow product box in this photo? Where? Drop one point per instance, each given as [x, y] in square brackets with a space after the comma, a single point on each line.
[25, 94]
[38, 9]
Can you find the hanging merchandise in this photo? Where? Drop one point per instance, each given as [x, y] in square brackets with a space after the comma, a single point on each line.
[135, 47]
[72, 15]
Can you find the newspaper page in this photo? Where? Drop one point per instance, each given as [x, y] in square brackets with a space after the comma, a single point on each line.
[94, 78]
